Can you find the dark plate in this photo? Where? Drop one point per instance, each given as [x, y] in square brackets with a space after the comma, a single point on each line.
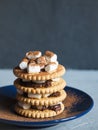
[76, 104]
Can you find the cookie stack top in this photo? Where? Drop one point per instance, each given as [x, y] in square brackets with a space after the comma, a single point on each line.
[35, 66]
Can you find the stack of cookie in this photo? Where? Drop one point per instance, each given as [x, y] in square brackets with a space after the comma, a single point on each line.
[39, 85]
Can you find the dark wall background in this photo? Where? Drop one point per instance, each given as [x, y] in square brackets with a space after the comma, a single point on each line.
[67, 27]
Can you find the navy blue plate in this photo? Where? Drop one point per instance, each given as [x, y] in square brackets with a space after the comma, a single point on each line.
[76, 104]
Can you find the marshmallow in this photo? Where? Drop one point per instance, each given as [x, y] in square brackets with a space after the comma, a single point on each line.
[38, 96]
[42, 66]
[33, 54]
[49, 53]
[23, 64]
[24, 105]
[37, 54]
[41, 60]
[19, 91]
[46, 95]
[32, 61]
[31, 95]
[51, 67]
[56, 79]
[39, 81]
[29, 55]
[33, 68]
[50, 56]
[57, 62]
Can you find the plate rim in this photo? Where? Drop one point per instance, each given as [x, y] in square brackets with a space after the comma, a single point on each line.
[49, 122]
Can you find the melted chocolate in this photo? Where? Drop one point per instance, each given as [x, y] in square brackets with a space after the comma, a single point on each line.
[25, 94]
[35, 85]
[56, 94]
[56, 107]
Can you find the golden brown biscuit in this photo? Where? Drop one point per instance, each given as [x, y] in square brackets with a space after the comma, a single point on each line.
[38, 113]
[47, 101]
[39, 76]
[55, 86]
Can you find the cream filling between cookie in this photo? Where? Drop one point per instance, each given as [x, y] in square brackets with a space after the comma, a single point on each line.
[43, 81]
[24, 80]
[24, 105]
[39, 81]
[35, 84]
[55, 107]
[38, 96]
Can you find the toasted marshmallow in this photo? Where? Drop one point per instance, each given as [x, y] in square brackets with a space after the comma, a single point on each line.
[29, 55]
[37, 54]
[23, 64]
[33, 68]
[24, 105]
[32, 61]
[33, 54]
[39, 81]
[49, 53]
[31, 95]
[42, 60]
[51, 67]
[56, 79]
[19, 91]
[42, 66]
[50, 56]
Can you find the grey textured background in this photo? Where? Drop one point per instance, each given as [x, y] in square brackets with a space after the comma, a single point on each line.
[67, 27]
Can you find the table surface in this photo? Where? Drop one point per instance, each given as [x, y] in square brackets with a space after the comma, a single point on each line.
[85, 80]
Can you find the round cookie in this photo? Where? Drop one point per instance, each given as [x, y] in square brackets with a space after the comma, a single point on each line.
[47, 101]
[55, 86]
[38, 113]
[39, 76]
